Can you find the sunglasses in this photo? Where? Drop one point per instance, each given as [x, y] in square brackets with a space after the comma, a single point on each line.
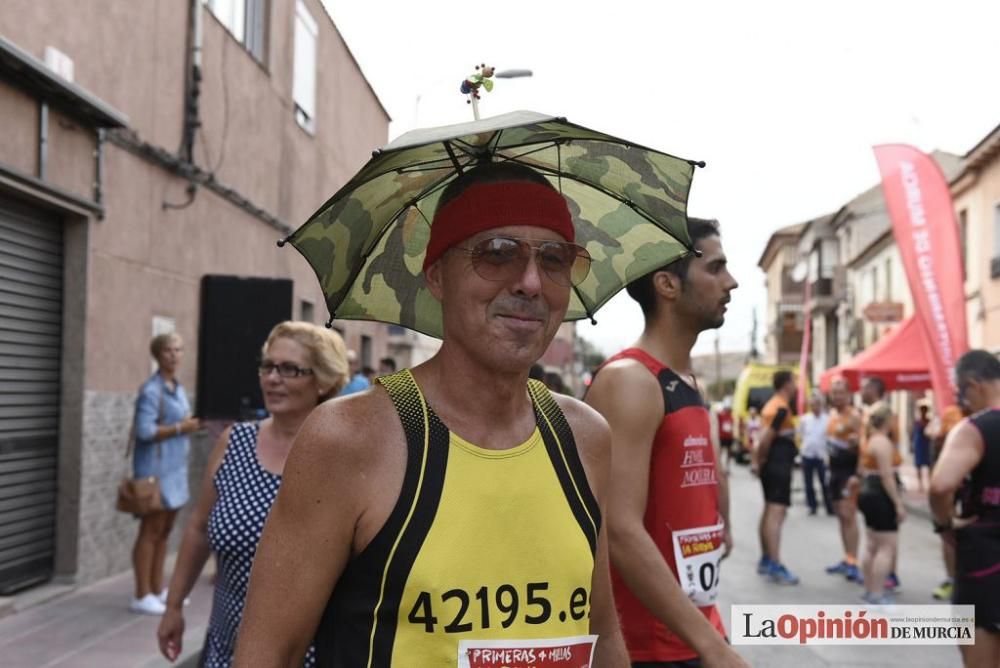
[505, 258]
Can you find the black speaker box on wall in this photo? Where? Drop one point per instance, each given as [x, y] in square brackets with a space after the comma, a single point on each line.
[237, 314]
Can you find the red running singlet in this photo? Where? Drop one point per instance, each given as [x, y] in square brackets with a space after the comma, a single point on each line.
[682, 516]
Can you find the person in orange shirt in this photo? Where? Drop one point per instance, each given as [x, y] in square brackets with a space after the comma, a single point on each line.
[880, 502]
[842, 438]
[773, 460]
[873, 391]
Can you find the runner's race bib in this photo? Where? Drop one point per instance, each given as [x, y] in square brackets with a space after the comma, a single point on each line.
[574, 652]
[698, 553]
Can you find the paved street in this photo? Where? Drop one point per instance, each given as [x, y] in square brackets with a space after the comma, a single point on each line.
[93, 627]
[808, 545]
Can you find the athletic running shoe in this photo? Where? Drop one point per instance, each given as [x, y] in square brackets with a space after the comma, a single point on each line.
[764, 565]
[872, 599]
[781, 575]
[943, 591]
[838, 568]
[853, 574]
[147, 605]
[892, 583]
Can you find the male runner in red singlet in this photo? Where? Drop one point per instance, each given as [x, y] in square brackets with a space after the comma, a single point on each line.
[973, 449]
[669, 505]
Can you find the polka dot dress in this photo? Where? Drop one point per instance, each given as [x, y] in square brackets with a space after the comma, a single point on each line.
[246, 492]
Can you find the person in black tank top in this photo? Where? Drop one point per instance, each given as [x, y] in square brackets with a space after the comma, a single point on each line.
[973, 449]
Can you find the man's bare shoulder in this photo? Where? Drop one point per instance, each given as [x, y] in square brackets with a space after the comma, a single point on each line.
[965, 434]
[626, 374]
[361, 427]
[626, 390]
[583, 419]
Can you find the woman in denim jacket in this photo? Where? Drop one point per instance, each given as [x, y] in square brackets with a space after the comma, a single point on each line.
[162, 424]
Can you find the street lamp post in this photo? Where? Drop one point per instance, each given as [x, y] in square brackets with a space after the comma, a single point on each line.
[513, 74]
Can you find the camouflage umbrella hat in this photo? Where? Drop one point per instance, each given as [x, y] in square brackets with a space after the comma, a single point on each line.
[366, 243]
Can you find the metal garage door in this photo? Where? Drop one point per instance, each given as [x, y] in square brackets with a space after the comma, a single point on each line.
[31, 268]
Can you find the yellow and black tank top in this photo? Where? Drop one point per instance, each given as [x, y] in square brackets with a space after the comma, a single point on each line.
[481, 545]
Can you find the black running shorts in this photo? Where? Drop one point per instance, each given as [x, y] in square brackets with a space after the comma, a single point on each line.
[843, 464]
[776, 475]
[977, 573]
[876, 506]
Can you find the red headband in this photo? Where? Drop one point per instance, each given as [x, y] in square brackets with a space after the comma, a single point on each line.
[485, 206]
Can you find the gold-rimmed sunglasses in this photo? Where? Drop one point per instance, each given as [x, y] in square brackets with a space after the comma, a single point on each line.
[505, 258]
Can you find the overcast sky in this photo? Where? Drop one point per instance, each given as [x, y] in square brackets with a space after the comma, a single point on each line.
[783, 100]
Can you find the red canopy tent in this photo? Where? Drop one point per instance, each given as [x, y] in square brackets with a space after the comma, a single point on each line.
[899, 358]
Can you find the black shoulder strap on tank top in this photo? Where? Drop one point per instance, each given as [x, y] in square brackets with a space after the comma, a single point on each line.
[371, 586]
[562, 451]
[677, 394]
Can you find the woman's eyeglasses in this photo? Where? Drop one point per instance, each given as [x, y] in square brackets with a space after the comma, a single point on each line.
[505, 258]
[285, 370]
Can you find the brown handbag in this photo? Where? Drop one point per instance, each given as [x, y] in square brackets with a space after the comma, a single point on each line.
[140, 496]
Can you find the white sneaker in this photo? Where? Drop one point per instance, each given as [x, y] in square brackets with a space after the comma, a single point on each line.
[163, 598]
[148, 605]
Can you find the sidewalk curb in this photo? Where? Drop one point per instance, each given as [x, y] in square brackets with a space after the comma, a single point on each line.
[10, 605]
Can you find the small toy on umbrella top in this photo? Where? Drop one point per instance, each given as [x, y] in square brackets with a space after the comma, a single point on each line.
[481, 78]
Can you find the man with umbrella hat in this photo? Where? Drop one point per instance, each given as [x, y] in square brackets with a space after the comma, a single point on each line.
[454, 509]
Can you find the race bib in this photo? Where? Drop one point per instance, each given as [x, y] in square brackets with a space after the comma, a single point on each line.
[574, 652]
[698, 553]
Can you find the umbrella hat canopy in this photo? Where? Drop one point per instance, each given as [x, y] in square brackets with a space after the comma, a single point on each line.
[366, 243]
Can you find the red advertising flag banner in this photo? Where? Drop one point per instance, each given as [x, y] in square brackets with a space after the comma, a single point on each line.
[923, 222]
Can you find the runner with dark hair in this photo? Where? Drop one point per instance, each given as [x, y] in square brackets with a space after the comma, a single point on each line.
[667, 490]
[773, 461]
[843, 439]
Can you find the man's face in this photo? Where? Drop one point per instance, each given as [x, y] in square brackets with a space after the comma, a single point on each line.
[972, 396]
[705, 293]
[839, 396]
[816, 403]
[506, 323]
[869, 394]
[791, 391]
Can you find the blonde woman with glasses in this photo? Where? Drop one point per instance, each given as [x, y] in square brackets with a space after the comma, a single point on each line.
[301, 366]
